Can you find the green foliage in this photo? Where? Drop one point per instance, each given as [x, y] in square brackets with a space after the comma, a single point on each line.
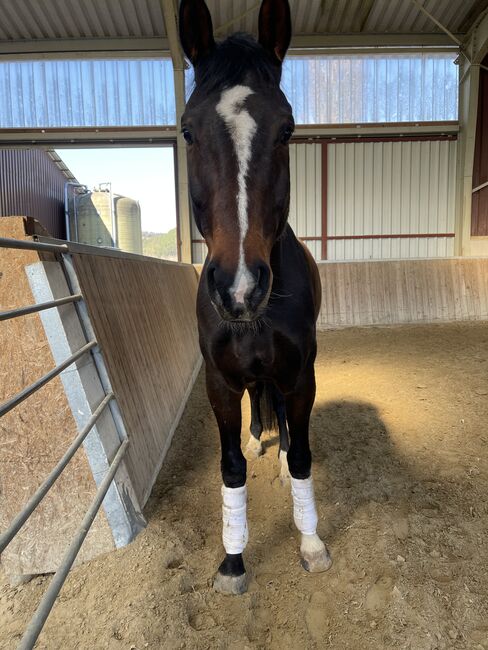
[160, 245]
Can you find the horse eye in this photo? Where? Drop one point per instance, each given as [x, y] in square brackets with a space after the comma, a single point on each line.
[188, 136]
[286, 134]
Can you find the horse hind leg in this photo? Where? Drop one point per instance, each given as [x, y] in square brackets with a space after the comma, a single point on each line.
[254, 448]
[279, 407]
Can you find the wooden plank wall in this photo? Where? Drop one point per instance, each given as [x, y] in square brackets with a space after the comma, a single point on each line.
[143, 313]
[403, 291]
[36, 433]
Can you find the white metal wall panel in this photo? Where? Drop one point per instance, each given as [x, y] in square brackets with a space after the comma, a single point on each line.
[379, 188]
[306, 193]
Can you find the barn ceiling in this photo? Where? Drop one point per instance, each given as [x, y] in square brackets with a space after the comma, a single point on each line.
[55, 21]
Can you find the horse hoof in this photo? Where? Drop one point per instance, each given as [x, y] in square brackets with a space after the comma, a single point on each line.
[317, 562]
[254, 449]
[231, 585]
[315, 556]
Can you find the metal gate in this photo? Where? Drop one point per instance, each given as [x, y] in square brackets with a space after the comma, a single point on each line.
[90, 348]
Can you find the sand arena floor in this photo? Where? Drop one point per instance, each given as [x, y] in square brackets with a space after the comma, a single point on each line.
[400, 440]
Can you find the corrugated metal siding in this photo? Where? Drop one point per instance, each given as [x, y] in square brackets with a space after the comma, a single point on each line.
[32, 185]
[383, 188]
[54, 94]
[372, 88]
[306, 193]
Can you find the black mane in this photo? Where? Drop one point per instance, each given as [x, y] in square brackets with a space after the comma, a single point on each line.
[232, 61]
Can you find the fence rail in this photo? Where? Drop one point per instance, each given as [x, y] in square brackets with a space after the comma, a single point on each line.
[47, 602]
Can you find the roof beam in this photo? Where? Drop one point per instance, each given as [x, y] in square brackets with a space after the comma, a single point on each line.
[436, 22]
[318, 41]
[170, 13]
[84, 48]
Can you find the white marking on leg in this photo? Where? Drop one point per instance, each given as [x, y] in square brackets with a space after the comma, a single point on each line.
[284, 471]
[315, 556]
[311, 544]
[234, 530]
[254, 448]
[304, 511]
[242, 128]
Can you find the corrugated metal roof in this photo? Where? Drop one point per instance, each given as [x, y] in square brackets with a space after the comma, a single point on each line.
[67, 19]
[51, 19]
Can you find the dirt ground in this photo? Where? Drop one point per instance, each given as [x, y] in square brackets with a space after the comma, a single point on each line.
[400, 441]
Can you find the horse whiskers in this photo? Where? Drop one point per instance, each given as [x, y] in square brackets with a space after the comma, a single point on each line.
[244, 327]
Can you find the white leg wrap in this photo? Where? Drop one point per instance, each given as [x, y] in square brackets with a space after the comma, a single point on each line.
[234, 532]
[304, 511]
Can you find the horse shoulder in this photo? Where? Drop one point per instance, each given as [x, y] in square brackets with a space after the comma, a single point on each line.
[314, 278]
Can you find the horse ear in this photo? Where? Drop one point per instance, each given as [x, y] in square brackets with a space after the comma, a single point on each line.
[196, 30]
[275, 27]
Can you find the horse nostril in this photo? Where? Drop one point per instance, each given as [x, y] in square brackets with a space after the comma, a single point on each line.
[263, 275]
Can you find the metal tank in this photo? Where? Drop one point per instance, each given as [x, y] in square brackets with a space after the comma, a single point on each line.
[128, 220]
[94, 215]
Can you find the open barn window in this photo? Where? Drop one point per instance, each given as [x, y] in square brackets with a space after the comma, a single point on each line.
[372, 88]
[87, 93]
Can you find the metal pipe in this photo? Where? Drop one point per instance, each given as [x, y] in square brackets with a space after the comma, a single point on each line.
[26, 392]
[38, 620]
[480, 187]
[43, 489]
[32, 309]
[439, 24]
[21, 244]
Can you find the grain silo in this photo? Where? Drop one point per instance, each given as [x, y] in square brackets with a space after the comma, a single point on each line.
[94, 214]
[128, 219]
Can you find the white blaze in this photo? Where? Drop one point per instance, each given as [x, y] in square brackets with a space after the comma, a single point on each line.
[242, 128]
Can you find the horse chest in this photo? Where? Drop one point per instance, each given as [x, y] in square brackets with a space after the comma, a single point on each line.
[245, 359]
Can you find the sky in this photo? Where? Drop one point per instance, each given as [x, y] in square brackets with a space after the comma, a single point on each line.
[144, 174]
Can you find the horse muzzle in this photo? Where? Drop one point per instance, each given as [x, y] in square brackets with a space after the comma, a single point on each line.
[240, 296]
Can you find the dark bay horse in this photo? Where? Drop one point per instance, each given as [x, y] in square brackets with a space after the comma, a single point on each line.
[259, 293]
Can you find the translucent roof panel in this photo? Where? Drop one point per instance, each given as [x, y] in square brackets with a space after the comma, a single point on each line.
[379, 88]
[87, 93]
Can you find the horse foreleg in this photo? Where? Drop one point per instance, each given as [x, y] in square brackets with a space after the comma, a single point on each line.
[231, 576]
[254, 448]
[315, 557]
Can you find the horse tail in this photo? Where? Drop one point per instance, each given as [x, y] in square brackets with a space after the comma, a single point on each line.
[267, 406]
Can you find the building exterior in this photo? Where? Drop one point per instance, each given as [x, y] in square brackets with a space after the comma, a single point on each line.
[32, 183]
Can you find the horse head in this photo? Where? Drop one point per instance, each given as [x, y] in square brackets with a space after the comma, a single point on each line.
[237, 125]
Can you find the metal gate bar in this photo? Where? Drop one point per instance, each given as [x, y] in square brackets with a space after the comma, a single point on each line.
[27, 245]
[43, 489]
[37, 622]
[32, 309]
[42, 381]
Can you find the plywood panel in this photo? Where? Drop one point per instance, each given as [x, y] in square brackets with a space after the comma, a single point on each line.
[392, 292]
[36, 433]
[143, 313]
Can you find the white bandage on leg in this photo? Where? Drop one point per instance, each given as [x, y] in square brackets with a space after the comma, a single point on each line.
[304, 511]
[234, 532]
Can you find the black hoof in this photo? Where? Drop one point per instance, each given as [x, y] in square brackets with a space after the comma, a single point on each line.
[232, 585]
